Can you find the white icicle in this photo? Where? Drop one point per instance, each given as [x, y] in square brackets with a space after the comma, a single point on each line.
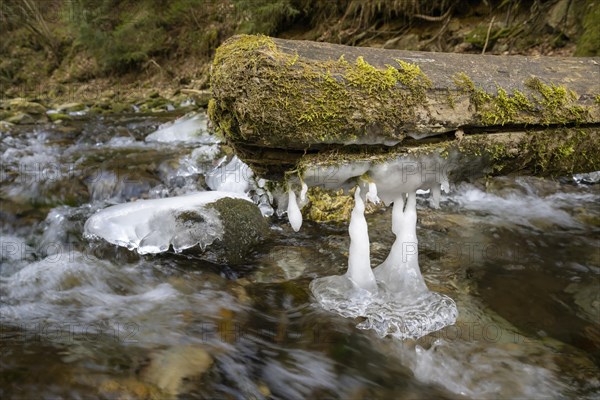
[359, 262]
[435, 195]
[294, 214]
[372, 193]
[400, 271]
[303, 192]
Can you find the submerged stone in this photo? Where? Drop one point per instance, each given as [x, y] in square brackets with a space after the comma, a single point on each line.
[170, 369]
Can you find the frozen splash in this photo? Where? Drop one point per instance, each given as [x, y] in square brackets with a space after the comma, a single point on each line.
[392, 299]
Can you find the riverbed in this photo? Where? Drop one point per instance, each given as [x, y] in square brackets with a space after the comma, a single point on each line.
[81, 319]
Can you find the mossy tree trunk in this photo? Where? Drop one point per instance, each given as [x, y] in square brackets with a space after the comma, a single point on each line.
[276, 100]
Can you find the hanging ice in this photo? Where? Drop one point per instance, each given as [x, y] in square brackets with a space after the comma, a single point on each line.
[359, 261]
[398, 303]
[152, 226]
[293, 211]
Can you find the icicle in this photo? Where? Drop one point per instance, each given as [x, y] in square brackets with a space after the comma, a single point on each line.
[294, 214]
[435, 195]
[372, 193]
[303, 192]
[400, 271]
[359, 262]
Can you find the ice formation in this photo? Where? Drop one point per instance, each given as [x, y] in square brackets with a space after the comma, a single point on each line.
[152, 226]
[392, 299]
[359, 256]
[187, 129]
[233, 176]
[293, 211]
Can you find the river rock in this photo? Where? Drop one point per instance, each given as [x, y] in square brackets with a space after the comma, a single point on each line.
[24, 106]
[6, 126]
[70, 107]
[169, 369]
[244, 227]
[283, 263]
[221, 227]
[20, 119]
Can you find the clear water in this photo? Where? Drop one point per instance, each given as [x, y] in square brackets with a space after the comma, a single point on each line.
[520, 259]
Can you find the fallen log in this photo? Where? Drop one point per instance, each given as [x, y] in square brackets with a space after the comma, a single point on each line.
[277, 101]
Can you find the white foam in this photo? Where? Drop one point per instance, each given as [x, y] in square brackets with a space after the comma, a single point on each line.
[152, 226]
[495, 372]
[81, 294]
[300, 376]
[522, 209]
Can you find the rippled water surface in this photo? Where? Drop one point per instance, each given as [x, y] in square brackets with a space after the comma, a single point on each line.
[519, 256]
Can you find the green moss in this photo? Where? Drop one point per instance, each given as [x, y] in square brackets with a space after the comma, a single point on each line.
[589, 41]
[546, 104]
[327, 205]
[563, 151]
[313, 100]
[597, 99]
[190, 217]
[479, 97]
[555, 103]
[243, 45]
[59, 116]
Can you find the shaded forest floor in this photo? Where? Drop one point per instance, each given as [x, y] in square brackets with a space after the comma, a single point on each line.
[108, 54]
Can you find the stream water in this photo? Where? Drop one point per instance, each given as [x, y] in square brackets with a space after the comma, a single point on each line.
[520, 257]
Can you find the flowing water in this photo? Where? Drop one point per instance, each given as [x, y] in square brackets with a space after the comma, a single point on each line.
[519, 257]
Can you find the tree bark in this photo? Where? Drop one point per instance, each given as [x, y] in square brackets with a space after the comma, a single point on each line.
[278, 100]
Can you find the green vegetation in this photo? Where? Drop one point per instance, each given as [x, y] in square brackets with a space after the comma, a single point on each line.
[66, 41]
[264, 16]
[328, 205]
[316, 97]
[551, 104]
[589, 41]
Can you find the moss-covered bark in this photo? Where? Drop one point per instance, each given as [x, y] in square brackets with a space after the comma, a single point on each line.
[296, 94]
[276, 99]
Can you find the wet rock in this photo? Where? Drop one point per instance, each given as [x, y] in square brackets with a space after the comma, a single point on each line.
[282, 263]
[128, 388]
[201, 97]
[169, 369]
[587, 298]
[562, 18]
[24, 106]
[59, 117]
[21, 119]
[6, 126]
[70, 107]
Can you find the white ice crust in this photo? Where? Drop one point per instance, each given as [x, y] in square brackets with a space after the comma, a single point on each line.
[152, 226]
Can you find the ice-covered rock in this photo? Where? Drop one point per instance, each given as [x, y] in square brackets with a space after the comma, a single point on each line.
[153, 226]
